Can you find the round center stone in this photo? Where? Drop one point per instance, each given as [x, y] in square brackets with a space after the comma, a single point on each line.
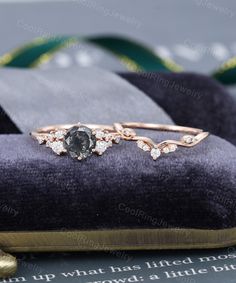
[79, 142]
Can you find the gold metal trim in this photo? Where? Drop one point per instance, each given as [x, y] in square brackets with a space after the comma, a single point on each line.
[122, 239]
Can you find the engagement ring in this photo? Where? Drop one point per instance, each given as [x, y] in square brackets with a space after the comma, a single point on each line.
[80, 141]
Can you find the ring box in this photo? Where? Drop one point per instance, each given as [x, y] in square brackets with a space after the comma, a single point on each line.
[124, 199]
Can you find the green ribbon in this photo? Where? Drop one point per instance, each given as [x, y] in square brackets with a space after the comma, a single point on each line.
[226, 74]
[135, 56]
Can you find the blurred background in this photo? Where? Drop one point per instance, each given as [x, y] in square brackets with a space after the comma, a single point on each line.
[197, 34]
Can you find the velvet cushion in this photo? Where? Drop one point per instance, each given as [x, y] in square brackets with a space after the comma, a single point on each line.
[35, 98]
[191, 188]
[192, 100]
[125, 189]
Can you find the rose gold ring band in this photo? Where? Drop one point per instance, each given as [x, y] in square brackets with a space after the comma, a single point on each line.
[91, 138]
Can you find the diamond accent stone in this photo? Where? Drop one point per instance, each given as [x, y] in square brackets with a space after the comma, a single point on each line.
[146, 147]
[99, 134]
[172, 147]
[188, 139]
[117, 139]
[128, 132]
[40, 139]
[141, 144]
[57, 147]
[79, 141]
[59, 134]
[155, 153]
[166, 150]
[48, 143]
[109, 144]
[101, 147]
[108, 137]
[50, 137]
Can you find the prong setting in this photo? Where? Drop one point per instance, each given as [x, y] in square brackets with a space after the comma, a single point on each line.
[80, 141]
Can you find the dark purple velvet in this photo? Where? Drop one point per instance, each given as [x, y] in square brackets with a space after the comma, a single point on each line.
[191, 188]
[125, 188]
[192, 100]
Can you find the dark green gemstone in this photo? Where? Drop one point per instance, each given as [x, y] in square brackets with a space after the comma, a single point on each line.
[79, 142]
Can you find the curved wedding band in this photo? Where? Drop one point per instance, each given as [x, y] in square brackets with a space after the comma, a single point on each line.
[80, 141]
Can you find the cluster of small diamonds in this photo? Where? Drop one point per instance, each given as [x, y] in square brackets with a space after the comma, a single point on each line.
[105, 140]
[54, 140]
[156, 151]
